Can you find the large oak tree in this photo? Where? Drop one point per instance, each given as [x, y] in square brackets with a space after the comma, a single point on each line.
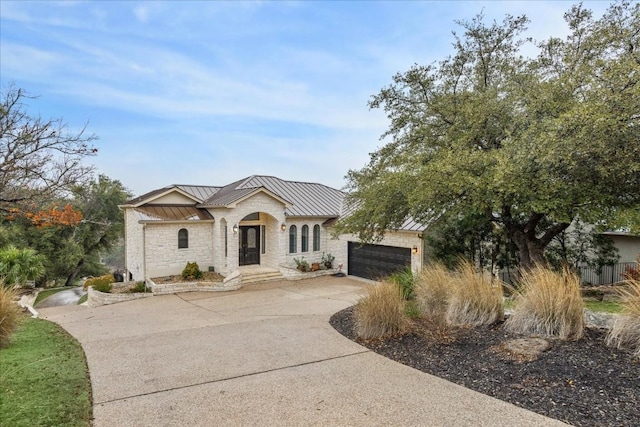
[532, 143]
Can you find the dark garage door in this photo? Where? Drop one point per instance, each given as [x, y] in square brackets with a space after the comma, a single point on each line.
[376, 261]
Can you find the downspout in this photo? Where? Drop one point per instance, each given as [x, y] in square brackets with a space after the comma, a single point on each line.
[144, 252]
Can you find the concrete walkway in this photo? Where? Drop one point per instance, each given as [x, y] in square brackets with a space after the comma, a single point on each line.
[264, 355]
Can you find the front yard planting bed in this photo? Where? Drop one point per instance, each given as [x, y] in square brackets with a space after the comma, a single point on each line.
[583, 383]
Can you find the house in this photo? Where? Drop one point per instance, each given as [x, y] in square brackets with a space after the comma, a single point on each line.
[259, 221]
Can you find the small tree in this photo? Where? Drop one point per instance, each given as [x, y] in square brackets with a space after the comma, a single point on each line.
[18, 266]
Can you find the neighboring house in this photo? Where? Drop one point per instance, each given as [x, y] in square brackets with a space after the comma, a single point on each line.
[257, 221]
[628, 245]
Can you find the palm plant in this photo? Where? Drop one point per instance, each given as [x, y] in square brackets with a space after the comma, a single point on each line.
[18, 266]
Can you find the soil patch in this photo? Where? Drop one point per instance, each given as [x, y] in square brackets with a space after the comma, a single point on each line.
[583, 383]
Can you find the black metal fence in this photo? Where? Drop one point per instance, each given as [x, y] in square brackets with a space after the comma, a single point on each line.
[589, 276]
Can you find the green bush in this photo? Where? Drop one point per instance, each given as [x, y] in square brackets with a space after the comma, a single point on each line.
[100, 284]
[9, 314]
[404, 279]
[139, 287]
[192, 271]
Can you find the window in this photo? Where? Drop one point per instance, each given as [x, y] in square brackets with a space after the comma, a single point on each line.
[316, 237]
[183, 238]
[263, 233]
[305, 238]
[226, 241]
[293, 239]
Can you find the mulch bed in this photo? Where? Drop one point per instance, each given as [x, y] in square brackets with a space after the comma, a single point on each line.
[583, 383]
[207, 276]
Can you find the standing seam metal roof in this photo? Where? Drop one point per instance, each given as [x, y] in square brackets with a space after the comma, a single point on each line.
[306, 199]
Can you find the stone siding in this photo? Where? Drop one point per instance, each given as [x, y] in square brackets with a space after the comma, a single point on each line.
[310, 256]
[404, 239]
[164, 258]
[134, 251]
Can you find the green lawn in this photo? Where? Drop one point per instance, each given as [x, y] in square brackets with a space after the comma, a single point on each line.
[44, 379]
[605, 306]
[42, 295]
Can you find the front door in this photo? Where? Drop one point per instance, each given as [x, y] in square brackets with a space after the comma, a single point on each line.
[249, 245]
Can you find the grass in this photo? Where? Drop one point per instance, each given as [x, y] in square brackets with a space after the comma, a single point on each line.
[474, 300]
[604, 306]
[9, 314]
[548, 304]
[381, 312]
[44, 379]
[432, 289]
[625, 332]
[44, 294]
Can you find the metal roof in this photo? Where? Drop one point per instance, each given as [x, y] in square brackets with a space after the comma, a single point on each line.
[172, 213]
[305, 199]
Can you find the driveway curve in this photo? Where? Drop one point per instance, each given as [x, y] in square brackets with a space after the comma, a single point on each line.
[263, 355]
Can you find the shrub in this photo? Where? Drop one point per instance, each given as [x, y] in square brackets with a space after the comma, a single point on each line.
[301, 264]
[18, 266]
[626, 329]
[381, 312]
[139, 287]
[404, 279]
[432, 290]
[473, 300]
[9, 314]
[101, 283]
[192, 271]
[548, 303]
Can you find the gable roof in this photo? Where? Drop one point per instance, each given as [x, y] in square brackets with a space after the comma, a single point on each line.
[300, 198]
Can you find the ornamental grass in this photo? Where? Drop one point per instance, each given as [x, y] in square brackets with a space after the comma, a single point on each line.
[9, 314]
[381, 312]
[549, 304]
[474, 300]
[625, 332]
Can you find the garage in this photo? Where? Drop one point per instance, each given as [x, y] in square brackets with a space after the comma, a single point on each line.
[376, 261]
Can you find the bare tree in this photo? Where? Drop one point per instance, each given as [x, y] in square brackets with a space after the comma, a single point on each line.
[38, 157]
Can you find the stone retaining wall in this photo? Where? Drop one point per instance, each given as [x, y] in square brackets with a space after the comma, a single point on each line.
[96, 298]
[294, 274]
[174, 288]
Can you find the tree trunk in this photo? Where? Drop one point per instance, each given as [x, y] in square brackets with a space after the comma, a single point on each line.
[72, 277]
[530, 247]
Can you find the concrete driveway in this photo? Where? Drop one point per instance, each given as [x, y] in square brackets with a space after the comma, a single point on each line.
[264, 355]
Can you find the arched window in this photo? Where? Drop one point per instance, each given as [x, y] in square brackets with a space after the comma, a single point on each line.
[305, 238]
[316, 237]
[293, 239]
[183, 238]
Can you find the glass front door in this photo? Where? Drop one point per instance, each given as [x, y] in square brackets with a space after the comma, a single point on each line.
[249, 245]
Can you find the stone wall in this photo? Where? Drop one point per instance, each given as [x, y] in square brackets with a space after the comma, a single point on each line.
[96, 298]
[164, 258]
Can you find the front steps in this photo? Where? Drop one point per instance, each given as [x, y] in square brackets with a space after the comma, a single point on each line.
[251, 275]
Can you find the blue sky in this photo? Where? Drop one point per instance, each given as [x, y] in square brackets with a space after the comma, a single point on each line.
[209, 92]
